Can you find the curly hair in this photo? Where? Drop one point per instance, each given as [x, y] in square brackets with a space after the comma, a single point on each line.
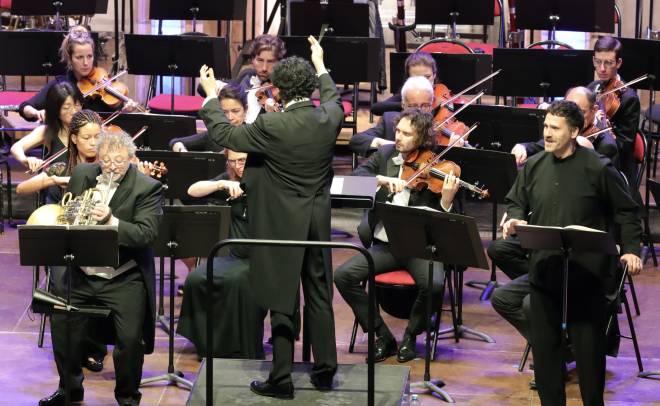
[267, 42]
[570, 111]
[294, 77]
[422, 123]
[78, 35]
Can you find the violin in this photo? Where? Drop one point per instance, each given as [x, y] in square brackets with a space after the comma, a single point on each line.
[609, 98]
[266, 97]
[452, 126]
[421, 171]
[98, 85]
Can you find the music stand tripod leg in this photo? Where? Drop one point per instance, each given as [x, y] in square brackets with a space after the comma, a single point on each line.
[435, 385]
[490, 285]
[172, 377]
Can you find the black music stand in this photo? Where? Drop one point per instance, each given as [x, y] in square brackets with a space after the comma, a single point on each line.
[70, 246]
[567, 240]
[453, 12]
[186, 168]
[502, 127]
[566, 15]
[344, 19]
[497, 171]
[456, 71]
[206, 10]
[184, 232]
[353, 192]
[54, 7]
[540, 72]
[43, 58]
[176, 55]
[436, 236]
[162, 128]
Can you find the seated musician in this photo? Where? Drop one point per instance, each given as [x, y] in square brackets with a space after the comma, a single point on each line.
[265, 51]
[233, 102]
[417, 93]
[77, 52]
[603, 143]
[134, 206]
[239, 325]
[413, 133]
[625, 119]
[61, 104]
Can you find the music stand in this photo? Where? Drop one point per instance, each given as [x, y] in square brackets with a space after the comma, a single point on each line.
[206, 10]
[456, 71]
[68, 246]
[175, 55]
[566, 15]
[495, 171]
[353, 192]
[540, 72]
[344, 19]
[184, 232]
[54, 7]
[186, 168]
[567, 240]
[452, 12]
[162, 128]
[435, 236]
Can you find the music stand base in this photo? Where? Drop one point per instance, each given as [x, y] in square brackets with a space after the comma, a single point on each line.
[487, 288]
[433, 386]
[164, 323]
[462, 332]
[172, 378]
[648, 374]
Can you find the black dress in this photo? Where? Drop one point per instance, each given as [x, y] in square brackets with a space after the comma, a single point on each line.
[239, 328]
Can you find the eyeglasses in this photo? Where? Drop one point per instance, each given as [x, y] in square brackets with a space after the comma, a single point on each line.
[239, 161]
[117, 162]
[607, 63]
[70, 107]
[423, 106]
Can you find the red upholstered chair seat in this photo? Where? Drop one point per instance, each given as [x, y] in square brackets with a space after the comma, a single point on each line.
[347, 105]
[639, 149]
[183, 104]
[446, 47]
[10, 98]
[399, 277]
[5, 4]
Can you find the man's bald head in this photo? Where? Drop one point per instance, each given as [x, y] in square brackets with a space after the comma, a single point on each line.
[586, 101]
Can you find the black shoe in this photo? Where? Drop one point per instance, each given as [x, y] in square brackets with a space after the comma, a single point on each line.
[57, 398]
[532, 384]
[384, 348]
[266, 388]
[93, 364]
[407, 351]
[322, 382]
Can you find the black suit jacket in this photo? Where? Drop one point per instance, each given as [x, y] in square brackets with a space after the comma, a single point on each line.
[287, 179]
[381, 163]
[360, 143]
[137, 204]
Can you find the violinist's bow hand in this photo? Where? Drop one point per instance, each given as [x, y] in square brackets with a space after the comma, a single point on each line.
[207, 80]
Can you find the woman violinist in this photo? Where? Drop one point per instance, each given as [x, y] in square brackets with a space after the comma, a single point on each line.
[77, 52]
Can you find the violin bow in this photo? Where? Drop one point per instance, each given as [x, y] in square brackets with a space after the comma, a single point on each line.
[111, 117]
[598, 133]
[104, 83]
[446, 120]
[626, 84]
[140, 132]
[467, 89]
[45, 164]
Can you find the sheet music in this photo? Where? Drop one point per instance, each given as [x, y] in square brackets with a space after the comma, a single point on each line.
[337, 186]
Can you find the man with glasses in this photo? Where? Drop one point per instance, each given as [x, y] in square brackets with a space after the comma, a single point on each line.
[625, 121]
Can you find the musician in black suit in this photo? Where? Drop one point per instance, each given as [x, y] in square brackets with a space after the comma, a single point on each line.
[413, 132]
[133, 204]
[287, 181]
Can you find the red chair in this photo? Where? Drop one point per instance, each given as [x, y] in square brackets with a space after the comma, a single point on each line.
[183, 104]
[12, 98]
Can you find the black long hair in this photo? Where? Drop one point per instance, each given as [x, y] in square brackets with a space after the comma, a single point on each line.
[55, 98]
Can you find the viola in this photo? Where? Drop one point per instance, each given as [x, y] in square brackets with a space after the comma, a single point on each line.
[421, 171]
[453, 126]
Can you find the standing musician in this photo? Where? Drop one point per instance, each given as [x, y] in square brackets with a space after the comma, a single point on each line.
[625, 118]
[417, 92]
[287, 179]
[239, 320]
[77, 51]
[594, 121]
[134, 206]
[571, 185]
[413, 134]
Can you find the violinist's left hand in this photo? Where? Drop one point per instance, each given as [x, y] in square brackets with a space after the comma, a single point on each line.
[207, 80]
[449, 189]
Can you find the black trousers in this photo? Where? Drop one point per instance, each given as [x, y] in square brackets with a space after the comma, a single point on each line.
[126, 297]
[510, 257]
[587, 317]
[320, 324]
[350, 275]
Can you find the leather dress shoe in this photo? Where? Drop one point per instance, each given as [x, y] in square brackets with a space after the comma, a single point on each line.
[384, 348]
[532, 384]
[57, 398]
[322, 383]
[407, 351]
[93, 364]
[265, 388]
